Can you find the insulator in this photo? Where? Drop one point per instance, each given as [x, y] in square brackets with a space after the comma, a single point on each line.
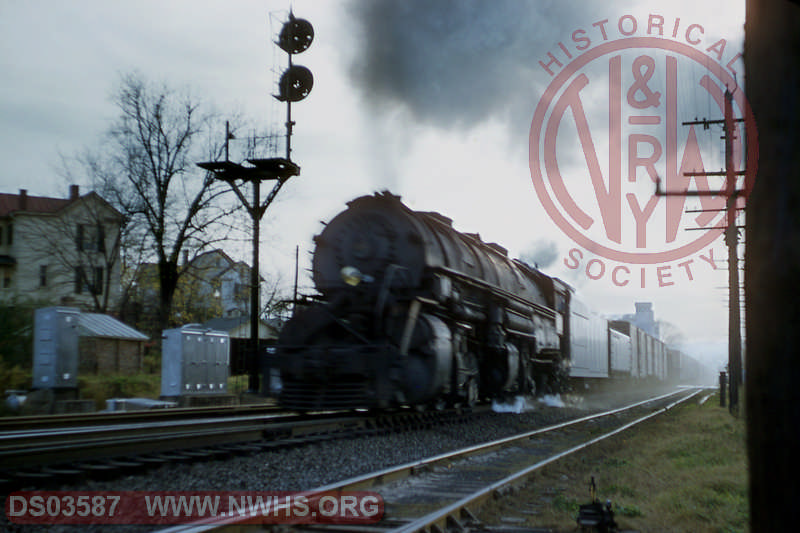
[295, 84]
[296, 35]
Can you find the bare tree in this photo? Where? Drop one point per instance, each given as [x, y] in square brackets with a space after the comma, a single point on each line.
[146, 169]
[276, 300]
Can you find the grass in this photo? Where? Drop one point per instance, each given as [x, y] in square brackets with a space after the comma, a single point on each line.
[101, 388]
[682, 471]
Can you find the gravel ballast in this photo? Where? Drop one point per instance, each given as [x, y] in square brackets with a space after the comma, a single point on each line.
[314, 465]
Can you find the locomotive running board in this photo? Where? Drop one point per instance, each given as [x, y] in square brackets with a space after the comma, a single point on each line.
[497, 291]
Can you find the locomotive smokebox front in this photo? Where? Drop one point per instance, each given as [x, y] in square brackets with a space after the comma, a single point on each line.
[374, 241]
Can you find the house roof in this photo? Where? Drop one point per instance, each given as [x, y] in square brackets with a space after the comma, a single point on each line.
[11, 203]
[217, 252]
[99, 325]
[197, 263]
[25, 203]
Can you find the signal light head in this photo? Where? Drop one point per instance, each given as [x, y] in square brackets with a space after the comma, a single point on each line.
[296, 82]
[296, 35]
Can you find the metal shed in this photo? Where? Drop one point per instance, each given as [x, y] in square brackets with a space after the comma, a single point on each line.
[107, 345]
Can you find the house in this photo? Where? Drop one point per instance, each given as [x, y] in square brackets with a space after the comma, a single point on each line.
[60, 251]
[210, 285]
[213, 277]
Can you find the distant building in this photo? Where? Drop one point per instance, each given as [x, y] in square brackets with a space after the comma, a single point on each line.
[216, 278]
[60, 251]
[644, 319]
[210, 285]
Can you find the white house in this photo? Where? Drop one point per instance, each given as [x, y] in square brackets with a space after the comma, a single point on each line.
[60, 251]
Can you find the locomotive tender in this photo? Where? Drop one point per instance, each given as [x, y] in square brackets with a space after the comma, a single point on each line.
[413, 312]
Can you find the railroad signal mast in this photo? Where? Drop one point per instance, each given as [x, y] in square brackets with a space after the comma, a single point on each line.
[295, 84]
[731, 240]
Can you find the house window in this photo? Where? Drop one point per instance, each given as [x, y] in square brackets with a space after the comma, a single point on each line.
[10, 237]
[43, 276]
[89, 279]
[6, 279]
[91, 238]
[79, 280]
[97, 281]
[1, 235]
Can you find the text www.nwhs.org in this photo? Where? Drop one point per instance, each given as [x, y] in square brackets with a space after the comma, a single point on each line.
[137, 507]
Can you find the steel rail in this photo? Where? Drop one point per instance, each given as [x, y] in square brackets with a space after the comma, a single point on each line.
[27, 422]
[440, 516]
[398, 472]
[42, 447]
[33, 454]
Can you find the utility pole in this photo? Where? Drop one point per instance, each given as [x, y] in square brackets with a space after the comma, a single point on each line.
[731, 240]
[296, 272]
[772, 262]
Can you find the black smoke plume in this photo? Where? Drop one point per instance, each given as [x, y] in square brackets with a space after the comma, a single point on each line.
[457, 63]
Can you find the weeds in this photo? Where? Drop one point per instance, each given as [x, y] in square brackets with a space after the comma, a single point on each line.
[630, 511]
[685, 472]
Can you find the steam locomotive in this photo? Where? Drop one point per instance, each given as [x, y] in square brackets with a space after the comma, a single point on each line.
[412, 312]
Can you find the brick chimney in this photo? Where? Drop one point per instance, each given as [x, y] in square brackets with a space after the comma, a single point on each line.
[74, 192]
[23, 199]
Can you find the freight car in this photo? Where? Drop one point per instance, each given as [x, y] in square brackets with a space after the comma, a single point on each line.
[411, 311]
[687, 370]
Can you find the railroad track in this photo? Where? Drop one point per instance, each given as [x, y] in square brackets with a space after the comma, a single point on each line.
[22, 423]
[435, 494]
[50, 455]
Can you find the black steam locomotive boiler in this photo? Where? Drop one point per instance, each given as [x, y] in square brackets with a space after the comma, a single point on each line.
[413, 312]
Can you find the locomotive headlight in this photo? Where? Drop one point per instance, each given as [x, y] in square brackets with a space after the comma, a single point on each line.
[353, 276]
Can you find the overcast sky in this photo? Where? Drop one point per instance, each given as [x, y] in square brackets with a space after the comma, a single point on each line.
[431, 100]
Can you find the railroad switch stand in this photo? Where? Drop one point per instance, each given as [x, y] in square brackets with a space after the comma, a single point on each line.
[596, 516]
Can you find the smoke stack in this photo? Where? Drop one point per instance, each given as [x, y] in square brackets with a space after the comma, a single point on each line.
[74, 192]
[23, 199]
